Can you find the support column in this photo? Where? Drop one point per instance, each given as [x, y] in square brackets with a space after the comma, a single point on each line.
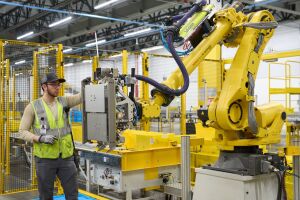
[60, 67]
[183, 115]
[88, 176]
[35, 74]
[7, 124]
[95, 65]
[145, 64]
[185, 168]
[125, 68]
[1, 121]
[296, 166]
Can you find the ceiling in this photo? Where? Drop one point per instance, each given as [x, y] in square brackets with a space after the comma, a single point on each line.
[80, 30]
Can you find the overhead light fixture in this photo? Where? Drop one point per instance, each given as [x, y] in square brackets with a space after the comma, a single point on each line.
[227, 66]
[137, 32]
[60, 22]
[25, 35]
[116, 56]
[258, 0]
[87, 61]
[152, 48]
[102, 5]
[69, 64]
[20, 62]
[94, 43]
[67, 50]
[17, 74]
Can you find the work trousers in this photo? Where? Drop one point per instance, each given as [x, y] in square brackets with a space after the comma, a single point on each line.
[64, 169]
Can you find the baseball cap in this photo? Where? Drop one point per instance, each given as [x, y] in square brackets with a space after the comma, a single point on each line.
[51, 77]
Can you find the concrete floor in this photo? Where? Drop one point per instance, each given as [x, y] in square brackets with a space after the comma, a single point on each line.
[20, 196]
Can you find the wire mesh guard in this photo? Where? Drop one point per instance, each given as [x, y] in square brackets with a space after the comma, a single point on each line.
[18, 87]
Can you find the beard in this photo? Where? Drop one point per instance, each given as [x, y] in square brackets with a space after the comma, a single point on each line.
[53, 93]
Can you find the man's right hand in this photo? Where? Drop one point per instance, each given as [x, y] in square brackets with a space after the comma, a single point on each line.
[47, 139]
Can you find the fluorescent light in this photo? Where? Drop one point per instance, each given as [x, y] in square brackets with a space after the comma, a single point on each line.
[105, 4]
[152, 48]
[69, 64]
[259, 0]
[116, 56]
[94, 43]
[87, 61]
[67, 50]
[17, 74]
[24, 35]
[137, 32]
[60, 21]
[227, 66]
[20, 62]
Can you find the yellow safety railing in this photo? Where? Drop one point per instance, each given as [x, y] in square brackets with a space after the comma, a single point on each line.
[285, 81]
[18, 68]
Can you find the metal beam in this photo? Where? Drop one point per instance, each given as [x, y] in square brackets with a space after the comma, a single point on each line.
[138, 16]
[18, 24]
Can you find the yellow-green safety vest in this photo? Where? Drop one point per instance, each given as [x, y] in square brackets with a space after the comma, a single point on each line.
[45, 123]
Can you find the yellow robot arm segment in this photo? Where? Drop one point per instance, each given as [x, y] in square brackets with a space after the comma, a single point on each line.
[232, 112]
[229, 111]
[225, 21]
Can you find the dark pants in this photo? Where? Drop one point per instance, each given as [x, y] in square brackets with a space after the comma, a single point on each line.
[64, 169]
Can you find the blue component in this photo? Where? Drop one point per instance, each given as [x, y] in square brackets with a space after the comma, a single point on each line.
[62, 197]
[76, 115]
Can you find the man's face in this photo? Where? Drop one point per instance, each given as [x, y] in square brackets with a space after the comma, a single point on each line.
[53, 88]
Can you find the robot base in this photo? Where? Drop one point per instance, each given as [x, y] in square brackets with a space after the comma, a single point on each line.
[214, 185]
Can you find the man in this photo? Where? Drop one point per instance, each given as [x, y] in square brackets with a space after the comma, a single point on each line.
[51, 138]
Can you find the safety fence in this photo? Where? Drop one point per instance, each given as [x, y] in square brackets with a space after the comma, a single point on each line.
[19, 84]
[22, 65]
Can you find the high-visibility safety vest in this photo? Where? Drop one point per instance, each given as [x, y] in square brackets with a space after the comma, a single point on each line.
[45, 123]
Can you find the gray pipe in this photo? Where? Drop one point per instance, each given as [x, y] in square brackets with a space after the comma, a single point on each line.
[185, 168]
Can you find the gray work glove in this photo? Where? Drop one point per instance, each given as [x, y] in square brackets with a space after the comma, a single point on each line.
[47, 139]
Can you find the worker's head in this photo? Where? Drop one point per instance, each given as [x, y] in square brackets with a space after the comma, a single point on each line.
[51, 84]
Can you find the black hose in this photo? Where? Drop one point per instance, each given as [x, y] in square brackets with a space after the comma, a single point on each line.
[279, 184]
[170, 36]
[284, 194]
[163, 88]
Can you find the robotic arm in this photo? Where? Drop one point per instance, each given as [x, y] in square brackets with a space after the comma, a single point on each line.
[203, 38]
[232, 112]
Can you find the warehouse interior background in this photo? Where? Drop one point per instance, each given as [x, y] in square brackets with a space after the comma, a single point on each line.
[134, 26]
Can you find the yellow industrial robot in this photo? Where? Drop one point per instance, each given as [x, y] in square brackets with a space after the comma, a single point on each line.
[232, 112]
[241, 127]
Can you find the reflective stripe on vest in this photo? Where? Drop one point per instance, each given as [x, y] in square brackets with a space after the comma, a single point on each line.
[56, 127]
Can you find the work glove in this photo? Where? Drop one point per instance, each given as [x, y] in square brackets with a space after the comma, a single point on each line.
[47, 139]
